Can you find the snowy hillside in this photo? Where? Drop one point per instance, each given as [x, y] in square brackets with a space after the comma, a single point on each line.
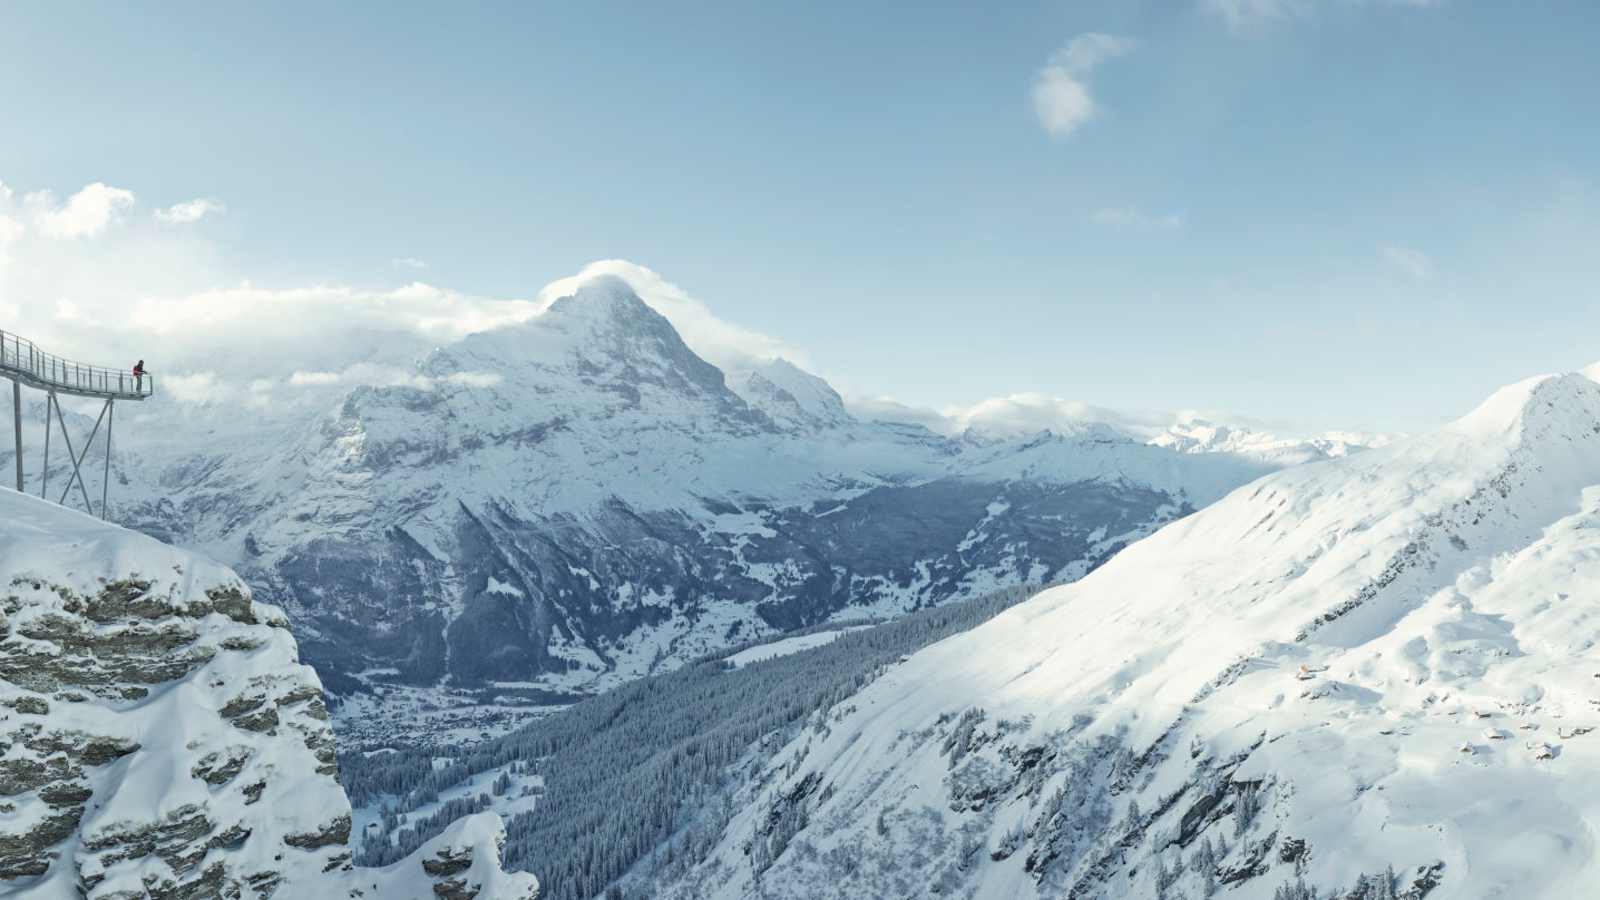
[1367, 678]
[161, 738]
[554, 508]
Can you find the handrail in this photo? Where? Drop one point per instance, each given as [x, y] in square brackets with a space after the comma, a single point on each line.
[21, 357]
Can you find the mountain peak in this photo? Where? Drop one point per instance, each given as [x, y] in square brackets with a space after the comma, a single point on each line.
[607, 298]
[599, 347]
[1570, 401]
[618, 335]
[790, 394]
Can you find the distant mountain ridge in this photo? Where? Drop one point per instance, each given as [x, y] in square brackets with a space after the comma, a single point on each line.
[1202, 436]
[566, 504]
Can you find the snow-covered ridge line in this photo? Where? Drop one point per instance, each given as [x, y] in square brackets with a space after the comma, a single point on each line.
[1353, 677]
[607, 505]
[574, 501]
[1201, 436]
[163, 739]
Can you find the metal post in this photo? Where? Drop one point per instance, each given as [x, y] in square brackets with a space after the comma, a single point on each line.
[16, 404]
[77, 459]
[49, 404]
[105, 484]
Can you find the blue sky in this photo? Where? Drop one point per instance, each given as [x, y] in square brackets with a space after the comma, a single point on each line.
[1331, 213]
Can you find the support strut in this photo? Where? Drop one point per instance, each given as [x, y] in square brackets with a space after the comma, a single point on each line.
[44, 477]
[16, 405]
[77, 459]
[105, 482]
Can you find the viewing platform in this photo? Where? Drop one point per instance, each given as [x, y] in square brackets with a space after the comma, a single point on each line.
[26, 365]
[22, 361]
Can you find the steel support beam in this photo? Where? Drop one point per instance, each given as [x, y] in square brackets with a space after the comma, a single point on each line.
[77, 460]
[44, 478]
[105, 484]
[16, 405]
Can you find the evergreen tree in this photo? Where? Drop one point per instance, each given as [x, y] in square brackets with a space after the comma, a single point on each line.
[631, 774]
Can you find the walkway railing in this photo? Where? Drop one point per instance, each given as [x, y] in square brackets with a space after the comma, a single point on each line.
[25, 364]
[22, 360]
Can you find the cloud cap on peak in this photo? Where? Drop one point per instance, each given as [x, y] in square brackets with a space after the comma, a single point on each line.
[721, 342]
[604, 294]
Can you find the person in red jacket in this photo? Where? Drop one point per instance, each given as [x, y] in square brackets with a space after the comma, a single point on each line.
[138, 375]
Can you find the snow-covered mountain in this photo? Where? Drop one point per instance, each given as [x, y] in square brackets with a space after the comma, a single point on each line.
[566, 504]
[792, 397]
[1203, 436]
[1371, 677]
[162, 740]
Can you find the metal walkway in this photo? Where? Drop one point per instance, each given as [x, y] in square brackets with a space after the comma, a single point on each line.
[25, 364]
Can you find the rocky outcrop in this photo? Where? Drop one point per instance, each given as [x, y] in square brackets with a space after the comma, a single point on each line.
[454, 863]
[159, 737]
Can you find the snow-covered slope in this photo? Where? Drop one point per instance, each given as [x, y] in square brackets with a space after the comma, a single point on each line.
[1382, 662]
[161, 739]
[559, 506]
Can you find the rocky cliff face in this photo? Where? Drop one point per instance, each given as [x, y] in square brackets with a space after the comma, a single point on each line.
[159, 737]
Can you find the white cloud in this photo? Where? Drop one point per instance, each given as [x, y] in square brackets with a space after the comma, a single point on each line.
[390, 376]
[473, 379]
[86, 213]
[1027, 414]
[1015, 415]
[10, 232]
[1411, 262]
[1130, 217]
[1061, 97]
[192, 387]
[1032, 412]
[305, 320]
[408, 262]
[309, 379]
[1061, 101]
[888, 409]
[377, 375]
[190, 211]
[164, 294]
